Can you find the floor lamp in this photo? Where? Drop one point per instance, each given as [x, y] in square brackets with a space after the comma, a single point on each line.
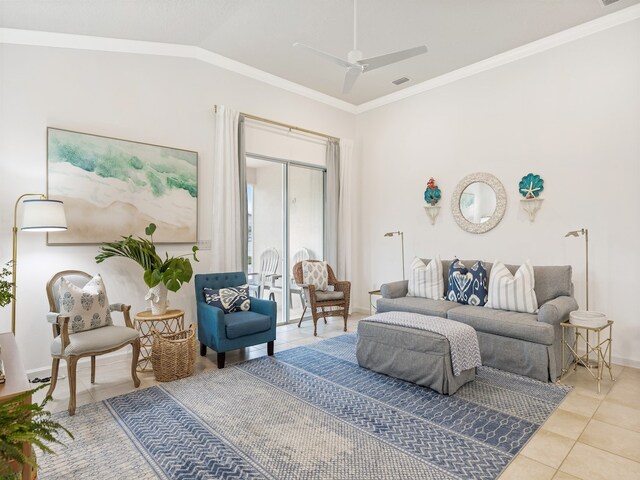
[585, 233]
[391, 234]
[38, 215]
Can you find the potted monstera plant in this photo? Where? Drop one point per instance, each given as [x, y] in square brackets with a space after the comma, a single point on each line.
[160, 274]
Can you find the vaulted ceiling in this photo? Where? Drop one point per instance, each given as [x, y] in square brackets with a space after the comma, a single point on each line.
[261, 33]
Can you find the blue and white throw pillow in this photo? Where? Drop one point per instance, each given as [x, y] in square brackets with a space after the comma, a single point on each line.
[229, 299]
[87, 307]
[467, 286]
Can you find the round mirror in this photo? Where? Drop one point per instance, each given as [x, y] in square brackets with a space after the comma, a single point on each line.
[478, 202]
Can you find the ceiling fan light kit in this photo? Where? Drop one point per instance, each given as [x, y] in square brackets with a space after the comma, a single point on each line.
[356, 65]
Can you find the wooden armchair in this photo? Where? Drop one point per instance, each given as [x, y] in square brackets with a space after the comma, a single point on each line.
[336, 300]
[88, 343]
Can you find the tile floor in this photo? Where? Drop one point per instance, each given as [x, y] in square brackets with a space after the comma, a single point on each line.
[591, 436]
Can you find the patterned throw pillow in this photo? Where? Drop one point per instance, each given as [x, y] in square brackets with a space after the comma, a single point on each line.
[87, 307]
[512, 292]
[316, 274]
[467, 286]
[426, 280]
[229, 299]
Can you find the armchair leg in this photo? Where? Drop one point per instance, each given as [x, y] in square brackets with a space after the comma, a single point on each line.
[221, 356]
[270, 348]
[134, 362]
[93, 369]
[346, 315]
[203, 350]
[302, 316]
[71, 373]
[315, 326]
[54, 376]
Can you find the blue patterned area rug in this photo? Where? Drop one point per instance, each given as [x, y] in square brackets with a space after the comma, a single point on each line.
[307, 413]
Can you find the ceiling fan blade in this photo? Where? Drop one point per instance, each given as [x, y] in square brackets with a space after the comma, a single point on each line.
[326, 56]
[382, 60]
[350, 78]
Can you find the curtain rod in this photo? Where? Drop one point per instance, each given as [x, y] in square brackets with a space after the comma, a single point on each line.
[284, 125]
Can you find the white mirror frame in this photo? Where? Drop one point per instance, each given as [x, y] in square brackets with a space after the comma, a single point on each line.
[501, 202]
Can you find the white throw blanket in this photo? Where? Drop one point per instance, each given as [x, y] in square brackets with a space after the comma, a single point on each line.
[463, 340]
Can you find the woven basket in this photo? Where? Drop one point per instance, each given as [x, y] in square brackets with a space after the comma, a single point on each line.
[173, 356]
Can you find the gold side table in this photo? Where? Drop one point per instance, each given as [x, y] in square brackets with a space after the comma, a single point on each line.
[372, 307]
[601, 348]
[172, 321]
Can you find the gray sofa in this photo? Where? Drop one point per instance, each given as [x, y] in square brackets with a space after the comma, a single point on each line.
[522, 343]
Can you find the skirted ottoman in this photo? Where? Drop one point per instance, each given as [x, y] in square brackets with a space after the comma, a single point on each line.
[400, 344]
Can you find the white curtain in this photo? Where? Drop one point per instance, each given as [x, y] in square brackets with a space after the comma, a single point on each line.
[345, 206]
[332, 202]
[228, 242]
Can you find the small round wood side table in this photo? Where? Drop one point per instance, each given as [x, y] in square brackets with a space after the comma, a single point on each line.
[172, 321]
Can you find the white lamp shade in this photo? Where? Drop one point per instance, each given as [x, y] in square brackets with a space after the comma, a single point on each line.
[43, 215]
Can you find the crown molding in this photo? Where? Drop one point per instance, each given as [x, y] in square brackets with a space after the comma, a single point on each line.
[85, 42]
[566, 36]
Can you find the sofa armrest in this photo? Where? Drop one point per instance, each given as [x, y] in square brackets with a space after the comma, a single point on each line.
[395, 289]
[265, 307]
[557, 310]
[210, 324]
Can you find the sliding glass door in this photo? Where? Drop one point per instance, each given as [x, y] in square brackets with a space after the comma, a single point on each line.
[286, 225]
[306, 226]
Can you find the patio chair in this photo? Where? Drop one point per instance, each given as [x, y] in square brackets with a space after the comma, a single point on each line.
[263, 280]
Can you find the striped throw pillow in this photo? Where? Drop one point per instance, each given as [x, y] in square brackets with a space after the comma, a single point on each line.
[426, 280]
[512, 292]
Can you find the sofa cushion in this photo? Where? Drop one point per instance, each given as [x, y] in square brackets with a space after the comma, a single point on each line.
[329, 295]
[467, 286]
[315, 273]
[96, 340]
[514, 293]
[551, 281]
[87, 307]
[524, 326]
[425, 280]
[229, 299]
[424, 306]
[240, 324]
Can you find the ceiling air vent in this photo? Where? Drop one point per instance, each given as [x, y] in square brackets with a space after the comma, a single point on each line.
[606, 3]
[400, 81]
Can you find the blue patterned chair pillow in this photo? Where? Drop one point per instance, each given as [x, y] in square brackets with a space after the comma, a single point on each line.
[229, 299]
[467, 286]
[87, 307]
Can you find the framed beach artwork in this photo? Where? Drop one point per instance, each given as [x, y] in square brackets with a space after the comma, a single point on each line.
[112, 188]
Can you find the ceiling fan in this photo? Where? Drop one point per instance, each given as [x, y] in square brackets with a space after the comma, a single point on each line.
[357, 65]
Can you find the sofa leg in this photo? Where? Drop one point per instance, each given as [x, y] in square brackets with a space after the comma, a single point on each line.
[203, 349]
[270, 348]
[220, 359]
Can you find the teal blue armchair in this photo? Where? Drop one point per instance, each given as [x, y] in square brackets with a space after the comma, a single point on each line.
[224, 332]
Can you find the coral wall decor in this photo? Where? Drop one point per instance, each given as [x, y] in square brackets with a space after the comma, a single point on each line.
[432, 196]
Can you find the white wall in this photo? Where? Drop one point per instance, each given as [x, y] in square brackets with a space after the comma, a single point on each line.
[570, 114]
[154, 99]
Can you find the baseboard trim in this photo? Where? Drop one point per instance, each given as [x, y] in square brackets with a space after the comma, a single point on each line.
[363, 310]
[625, 362]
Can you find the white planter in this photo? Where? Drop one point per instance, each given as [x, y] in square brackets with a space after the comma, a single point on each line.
[157, 297]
